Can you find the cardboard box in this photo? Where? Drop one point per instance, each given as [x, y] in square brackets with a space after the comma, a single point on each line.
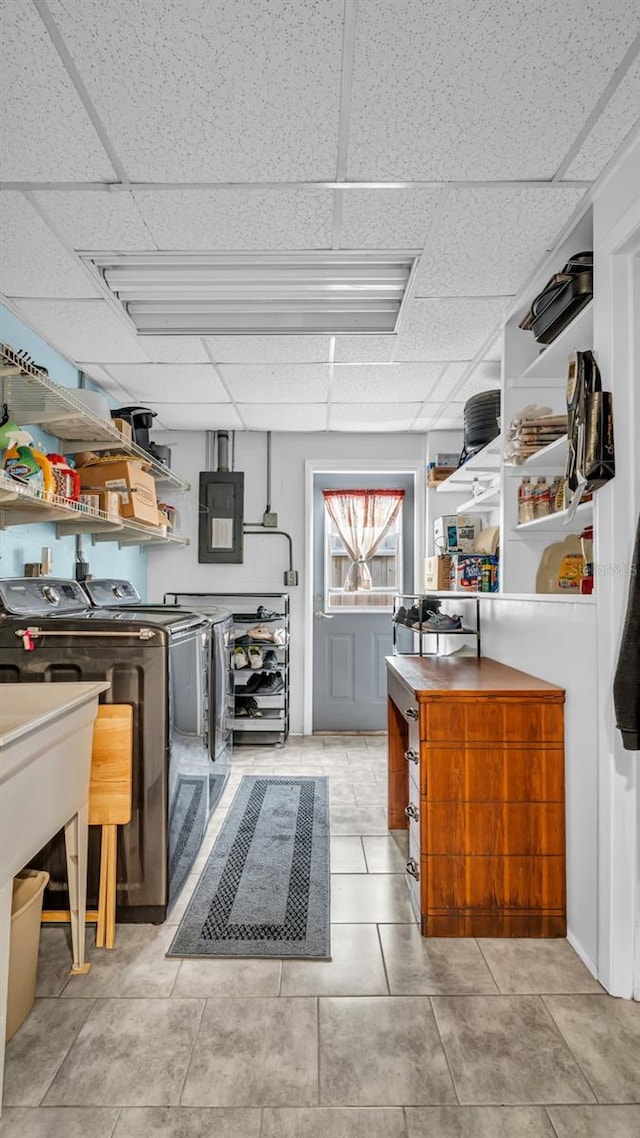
[456, 533]
[109, 503]
[438, 474]
[446, 458]
[136, 489]
[437, 573]
[126, 430]
[474, 573]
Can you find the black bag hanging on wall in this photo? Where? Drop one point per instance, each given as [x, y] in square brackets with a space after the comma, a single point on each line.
[626, 684]
[590, 451]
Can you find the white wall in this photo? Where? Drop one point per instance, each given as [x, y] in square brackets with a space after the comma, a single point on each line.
[266, 557]
[557, 642]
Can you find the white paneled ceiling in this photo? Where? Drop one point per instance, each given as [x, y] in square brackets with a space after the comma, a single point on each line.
[185, 125]
[219, 91]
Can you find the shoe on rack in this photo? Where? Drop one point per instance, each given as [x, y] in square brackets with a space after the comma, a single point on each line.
[247, 705]
[270, 660]
[239, 658]
[267, 614]
[241, 639]
[279, 637]
[271, 684]
[400, 615]
[441, 622]
[260, 632]
[255, 656]
[252, 685]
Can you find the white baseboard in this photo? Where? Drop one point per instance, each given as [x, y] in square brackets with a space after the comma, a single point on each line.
[585, 958]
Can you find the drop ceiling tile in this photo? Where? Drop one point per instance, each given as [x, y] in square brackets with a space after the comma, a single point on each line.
[196, 417]
[610, 129]
[97, 219]
[238, 219]
[448, 329]
[372, 417]
[485, 375]
[378, 383]
[192, 382]
[291, 417]
[44, 130]
[386, 219]
[33, 262]
[174, 349]
[459, 90]
[269, 349]
[278, 383]
[107, 383]
[489, 241]
[365, 349]
[212, 91]
[433, 418]
[83, 329]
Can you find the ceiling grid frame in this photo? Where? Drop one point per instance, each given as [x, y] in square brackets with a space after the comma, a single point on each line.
[341, 186]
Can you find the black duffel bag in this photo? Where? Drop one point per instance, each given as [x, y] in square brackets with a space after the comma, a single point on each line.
[561, 299]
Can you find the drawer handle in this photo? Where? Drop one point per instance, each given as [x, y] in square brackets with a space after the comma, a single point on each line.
[412, 868]
[411, 713]
[411, 811]
[412, 755]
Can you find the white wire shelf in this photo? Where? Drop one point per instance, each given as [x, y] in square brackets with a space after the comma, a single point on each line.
[36, 400]
[19, 505]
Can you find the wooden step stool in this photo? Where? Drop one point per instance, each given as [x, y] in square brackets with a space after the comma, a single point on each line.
[109, 807]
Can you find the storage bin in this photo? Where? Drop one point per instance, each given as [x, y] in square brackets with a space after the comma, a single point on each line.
[26, 912]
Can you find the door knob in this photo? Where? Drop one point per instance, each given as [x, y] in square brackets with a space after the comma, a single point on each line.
[319, 615]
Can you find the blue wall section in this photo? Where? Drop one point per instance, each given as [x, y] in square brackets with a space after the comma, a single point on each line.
[19, 544]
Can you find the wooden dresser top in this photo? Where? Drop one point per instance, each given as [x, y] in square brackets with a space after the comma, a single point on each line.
[429, 676]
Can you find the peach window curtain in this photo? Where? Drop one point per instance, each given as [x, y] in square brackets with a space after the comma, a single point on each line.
[362, 518]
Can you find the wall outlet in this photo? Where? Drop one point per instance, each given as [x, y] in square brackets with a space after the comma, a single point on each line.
[291, 577]
[270, 519]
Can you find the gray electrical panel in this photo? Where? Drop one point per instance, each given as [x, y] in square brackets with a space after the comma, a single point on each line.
[221, 517]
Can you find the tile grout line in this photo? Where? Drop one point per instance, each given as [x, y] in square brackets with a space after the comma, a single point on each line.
[117, 1120]
[499, 991]
[546, 1111]
[193, 1047]
[91, 1003]
[319, 1045]
[556, 1027]
[444, 1050]
[384, 962]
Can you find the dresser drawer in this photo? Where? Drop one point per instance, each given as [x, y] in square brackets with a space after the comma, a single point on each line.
[492, 828]
[489, 720]
[501, 773]
[493, 883]
[405, 701]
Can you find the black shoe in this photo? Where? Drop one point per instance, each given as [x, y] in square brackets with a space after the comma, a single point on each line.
[267, 614]
[252, 685]
[270, 661]
[247, 705]
[271, 685]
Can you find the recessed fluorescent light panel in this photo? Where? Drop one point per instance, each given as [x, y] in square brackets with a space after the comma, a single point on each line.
[213, 294]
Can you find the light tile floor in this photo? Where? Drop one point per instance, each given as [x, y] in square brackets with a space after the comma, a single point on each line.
[395, 1037]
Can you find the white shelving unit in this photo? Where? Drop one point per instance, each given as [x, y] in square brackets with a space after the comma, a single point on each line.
[35, 400]
[538, 375]
[485, 485]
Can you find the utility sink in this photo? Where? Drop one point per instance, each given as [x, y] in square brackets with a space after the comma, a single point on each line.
[46, 734]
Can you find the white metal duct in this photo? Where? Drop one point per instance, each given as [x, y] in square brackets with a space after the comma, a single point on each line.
[202, 294]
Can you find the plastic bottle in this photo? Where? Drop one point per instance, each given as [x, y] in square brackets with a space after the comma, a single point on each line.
[541, 499]
[525, 501]
[67, 479]
[23, 463]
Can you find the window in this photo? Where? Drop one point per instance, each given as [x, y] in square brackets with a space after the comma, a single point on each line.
[363, 549]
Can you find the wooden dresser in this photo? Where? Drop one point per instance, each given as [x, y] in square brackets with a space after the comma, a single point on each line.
[476, 773]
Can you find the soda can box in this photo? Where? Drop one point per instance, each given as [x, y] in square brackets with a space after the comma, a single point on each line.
[444, 458]
[456, 533]
[474, 573]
